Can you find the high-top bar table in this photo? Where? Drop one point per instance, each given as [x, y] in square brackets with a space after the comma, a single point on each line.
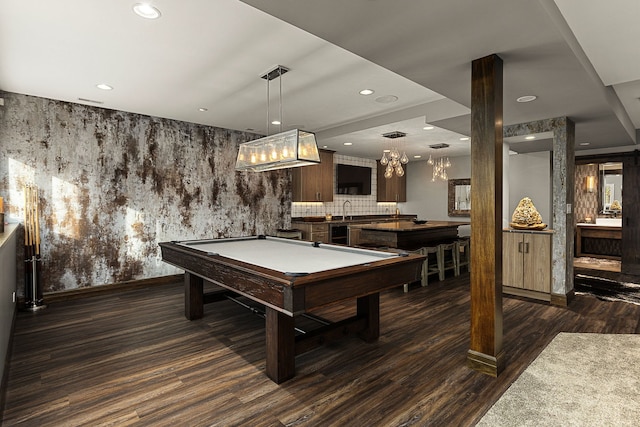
[407, 234]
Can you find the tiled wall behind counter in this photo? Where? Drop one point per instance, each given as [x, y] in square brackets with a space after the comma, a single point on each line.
[360, 205]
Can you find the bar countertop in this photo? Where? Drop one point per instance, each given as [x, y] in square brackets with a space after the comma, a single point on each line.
[408, 226]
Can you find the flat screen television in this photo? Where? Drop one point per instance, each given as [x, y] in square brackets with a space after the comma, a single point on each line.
[353, 180]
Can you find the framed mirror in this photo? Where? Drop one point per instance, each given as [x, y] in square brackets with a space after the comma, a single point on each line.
[460, 197]
[611, 188]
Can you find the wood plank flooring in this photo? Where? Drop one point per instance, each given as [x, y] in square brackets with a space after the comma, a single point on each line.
[133, 359]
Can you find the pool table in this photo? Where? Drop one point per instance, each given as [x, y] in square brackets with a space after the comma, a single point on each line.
[291, 278]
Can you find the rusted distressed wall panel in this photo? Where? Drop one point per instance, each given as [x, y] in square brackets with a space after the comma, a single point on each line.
[113, 184]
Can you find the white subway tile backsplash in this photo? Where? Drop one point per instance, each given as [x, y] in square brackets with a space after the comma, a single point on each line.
[360, 205]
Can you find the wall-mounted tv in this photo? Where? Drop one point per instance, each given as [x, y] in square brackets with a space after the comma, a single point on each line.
[353, 180]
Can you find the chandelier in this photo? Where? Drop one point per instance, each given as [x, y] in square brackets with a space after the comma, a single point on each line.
[392, 159]
[288, 149]
[440, 165]
[439, 168]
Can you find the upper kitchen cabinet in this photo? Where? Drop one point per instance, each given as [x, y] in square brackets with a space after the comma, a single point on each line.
[392, 189]
[314, 183]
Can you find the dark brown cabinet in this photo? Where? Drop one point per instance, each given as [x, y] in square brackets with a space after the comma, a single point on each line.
[314, 183]
[392, 189]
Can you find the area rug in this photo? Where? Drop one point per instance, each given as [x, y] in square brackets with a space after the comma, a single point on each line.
[577, 380]
[607, 289]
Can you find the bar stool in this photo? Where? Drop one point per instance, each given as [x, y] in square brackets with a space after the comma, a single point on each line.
[463, 254]
[406, 285]
[447, 258]
[431, 265]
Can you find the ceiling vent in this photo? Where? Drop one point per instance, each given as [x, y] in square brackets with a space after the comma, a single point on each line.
[439, 146]
[394, 134]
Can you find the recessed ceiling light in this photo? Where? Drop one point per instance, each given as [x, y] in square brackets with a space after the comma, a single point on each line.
[325, 146]
[146, 11]
[464, 138]
[104, 86]
[530, 137]
[386, 151]
[417, 156]
[348, 143]
[527, 98]
[387, 99]
[276, 122]
[203, 109]
[366, 92]
[428, 128]
[585, 143]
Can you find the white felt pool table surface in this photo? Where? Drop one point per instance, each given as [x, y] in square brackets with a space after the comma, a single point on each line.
[286, 255]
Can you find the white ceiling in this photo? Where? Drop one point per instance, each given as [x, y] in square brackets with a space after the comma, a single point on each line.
[210, 54]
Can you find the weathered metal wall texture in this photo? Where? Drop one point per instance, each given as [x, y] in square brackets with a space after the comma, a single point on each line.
[113, 184]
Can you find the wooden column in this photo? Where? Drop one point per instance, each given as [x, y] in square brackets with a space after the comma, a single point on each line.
[485, 353]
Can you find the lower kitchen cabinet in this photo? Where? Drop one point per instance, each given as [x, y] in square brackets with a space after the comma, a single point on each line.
[526, 263]
[314, 232]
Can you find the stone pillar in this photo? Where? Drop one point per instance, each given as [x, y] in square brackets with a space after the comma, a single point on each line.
[563, 178]
[564, 136]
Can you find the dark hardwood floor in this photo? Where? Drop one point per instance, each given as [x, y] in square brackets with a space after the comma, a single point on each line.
[133, 359]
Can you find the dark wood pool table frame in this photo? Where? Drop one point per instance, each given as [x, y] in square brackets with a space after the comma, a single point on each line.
[286, 296]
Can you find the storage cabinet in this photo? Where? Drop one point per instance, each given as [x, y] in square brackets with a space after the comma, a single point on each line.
[314, 232]
[392, 189]
[526, 263]
[314, 183]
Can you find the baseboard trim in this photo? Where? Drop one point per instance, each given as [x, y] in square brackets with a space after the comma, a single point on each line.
[486, 364]
[563, 300]
[53, 297]
[527, 293]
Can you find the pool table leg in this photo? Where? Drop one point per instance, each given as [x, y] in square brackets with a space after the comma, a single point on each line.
[280, 346]
[193, 296]
[369, 307]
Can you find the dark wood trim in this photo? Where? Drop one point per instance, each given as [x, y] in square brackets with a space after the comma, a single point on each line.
[527, 293]
[563, 300]
[485, 353]
[604, 158]
[93, 291]
[484, 363]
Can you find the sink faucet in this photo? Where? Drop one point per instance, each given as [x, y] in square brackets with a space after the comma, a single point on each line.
[344, 209]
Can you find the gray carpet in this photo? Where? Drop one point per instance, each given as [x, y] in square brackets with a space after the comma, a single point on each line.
[578, 380]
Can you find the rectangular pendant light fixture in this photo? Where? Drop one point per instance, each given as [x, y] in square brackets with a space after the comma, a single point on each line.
[283, 150]
[288, 149]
